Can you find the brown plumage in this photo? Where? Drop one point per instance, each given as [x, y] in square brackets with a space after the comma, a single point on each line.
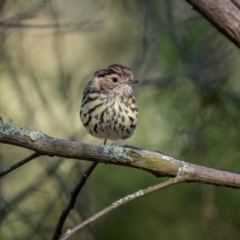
[109, 109]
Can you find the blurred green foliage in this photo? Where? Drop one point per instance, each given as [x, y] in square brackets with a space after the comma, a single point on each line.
[189, 108]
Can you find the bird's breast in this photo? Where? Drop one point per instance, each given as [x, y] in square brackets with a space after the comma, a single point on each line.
[110, 116]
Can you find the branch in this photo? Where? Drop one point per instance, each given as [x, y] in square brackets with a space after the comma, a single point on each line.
[63, 26]
[123, 201]
[19, 164]
[223, 14]
[153, 162]
[74, 193]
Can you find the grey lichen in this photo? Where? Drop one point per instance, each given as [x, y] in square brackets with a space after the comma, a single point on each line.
[116, 152]
[185, 169]
[129, 197]
[9, 129]
[35, 135]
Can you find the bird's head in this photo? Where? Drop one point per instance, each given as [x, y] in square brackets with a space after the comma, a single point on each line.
[114, 78]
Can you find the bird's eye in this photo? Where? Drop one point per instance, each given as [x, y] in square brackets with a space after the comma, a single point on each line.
[114, 79]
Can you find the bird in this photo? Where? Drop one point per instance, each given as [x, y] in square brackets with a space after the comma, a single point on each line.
[109, 110]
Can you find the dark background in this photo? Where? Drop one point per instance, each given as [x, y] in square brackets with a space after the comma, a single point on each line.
[188, 100]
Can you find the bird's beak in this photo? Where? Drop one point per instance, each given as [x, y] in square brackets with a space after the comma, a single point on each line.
[132, 81]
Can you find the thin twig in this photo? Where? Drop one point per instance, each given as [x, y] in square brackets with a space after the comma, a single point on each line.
[74, 194]
[19, 164]
[123, 201]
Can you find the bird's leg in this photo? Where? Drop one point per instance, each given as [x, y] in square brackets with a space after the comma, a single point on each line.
[116, 142]
[105, 142]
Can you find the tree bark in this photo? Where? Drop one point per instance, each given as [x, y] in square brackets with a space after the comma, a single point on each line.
[223, 14]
